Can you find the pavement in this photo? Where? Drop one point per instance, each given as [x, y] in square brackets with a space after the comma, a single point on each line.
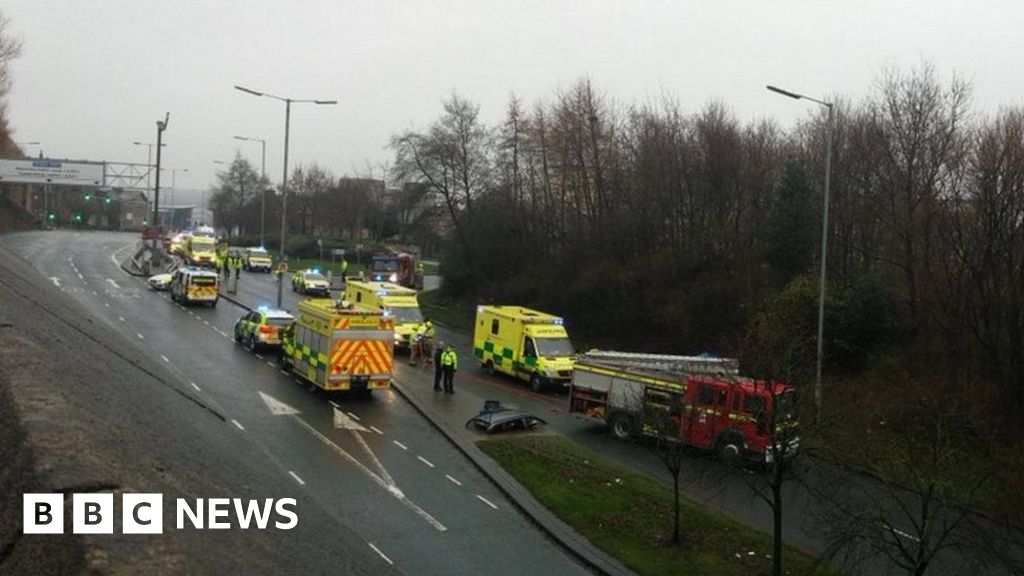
[380, 488]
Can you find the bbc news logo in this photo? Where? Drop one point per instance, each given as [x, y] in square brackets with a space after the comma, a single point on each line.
[94, 513]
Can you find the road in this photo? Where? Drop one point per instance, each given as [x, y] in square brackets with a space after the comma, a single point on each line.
[373, 464]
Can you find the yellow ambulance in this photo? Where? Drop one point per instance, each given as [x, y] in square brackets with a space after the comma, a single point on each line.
[530, 345]
[398, 301]
[339, 347]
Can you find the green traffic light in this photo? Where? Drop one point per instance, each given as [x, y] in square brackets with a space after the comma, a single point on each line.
[88, 196]
[106, 200]
[52, 216]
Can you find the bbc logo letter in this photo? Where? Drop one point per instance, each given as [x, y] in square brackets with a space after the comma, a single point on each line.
[43, 514]
[92, 514]
[142, 514]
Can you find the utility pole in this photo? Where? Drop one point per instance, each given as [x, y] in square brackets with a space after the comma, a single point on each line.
[161, 125]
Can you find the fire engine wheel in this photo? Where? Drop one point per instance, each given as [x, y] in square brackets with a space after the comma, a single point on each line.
[622, 426]
[729, 451]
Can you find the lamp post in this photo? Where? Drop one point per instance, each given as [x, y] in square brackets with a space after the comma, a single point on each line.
[149, 159]
[174, 188]
[161, 125]
[824, 241]
[263, 178]
[284, 180]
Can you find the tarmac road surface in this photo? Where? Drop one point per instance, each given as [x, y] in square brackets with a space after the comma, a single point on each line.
[375, 465]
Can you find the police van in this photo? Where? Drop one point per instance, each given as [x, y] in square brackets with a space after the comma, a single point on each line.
[530, 345]
[398, 301]
[195, 285]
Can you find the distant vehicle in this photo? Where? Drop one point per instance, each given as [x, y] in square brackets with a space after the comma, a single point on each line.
[530, 345]
[311, 282]
[398, 301]
[339, 347]
[192, 285]
[700, 401]
[206, 231]
[177, 245]
[391, 266]
[257, 260]
[160, 282]
[201, 251]
[262, 327]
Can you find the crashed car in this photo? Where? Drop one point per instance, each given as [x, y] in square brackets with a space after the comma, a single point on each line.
[160, 282]
[496, 418]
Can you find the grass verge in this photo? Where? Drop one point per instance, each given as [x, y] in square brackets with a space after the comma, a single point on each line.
[452, 313]
[629, 515]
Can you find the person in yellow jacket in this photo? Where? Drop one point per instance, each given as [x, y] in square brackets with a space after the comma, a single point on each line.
[449, 364]
[421, 341]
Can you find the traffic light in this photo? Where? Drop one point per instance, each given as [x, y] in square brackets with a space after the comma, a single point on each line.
[106, 200]
[145, 221]
[78, 216]
[51, 216]
[88, 196]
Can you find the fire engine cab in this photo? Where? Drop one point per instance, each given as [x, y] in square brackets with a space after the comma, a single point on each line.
[700, 401]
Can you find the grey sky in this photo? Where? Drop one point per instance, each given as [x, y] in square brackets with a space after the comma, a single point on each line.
[96, 75]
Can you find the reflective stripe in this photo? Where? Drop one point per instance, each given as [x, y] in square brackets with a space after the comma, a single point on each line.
[362, 334]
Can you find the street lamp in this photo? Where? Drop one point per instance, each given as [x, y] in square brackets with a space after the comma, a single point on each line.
[284, 180]
[824, 242]
[263, 178]
[174, 187]
[149, 159]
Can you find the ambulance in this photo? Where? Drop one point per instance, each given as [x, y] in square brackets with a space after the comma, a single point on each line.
[201, 251]
[195, 286]
[337, 346]
[399, 301]
[530, 345]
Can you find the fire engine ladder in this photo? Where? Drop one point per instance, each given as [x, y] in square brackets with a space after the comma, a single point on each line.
[666, 362]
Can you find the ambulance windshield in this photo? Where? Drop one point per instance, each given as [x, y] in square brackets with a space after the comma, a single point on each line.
[554, 347]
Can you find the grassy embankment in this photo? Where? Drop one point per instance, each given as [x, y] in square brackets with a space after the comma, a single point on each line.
[629, 515]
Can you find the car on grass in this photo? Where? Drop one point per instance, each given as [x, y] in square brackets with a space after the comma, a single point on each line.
[262, 328]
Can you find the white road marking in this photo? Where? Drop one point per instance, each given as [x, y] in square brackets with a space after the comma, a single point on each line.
[207, 322]
[297, 381]
[121, 318]
[285, 372]
[164, 358]
[486, 501]
[333, 403]
[354, 417]
[191, 313]
[377, 430]
[141, 337]
[196, 387]
[237, 425]
[112, 283]
[80, 277]
[297, 479]
[453, 480]
[70, 260]
[425, 461]
[381, 554]
[400, 445]
[903, 534]
[55, 280]
[107, 304]
[95, 293]
[258, 356]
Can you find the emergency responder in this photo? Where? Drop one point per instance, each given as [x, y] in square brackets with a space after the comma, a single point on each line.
[344, 268]
[437, 366]
[422, 338]
[449, 364]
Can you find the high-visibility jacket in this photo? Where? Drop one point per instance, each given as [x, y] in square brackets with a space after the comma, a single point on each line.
[426, 330]
[450, 358]
[344, 267]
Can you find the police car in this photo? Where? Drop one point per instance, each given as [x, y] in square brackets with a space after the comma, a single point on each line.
[310, 282]
[262, 327]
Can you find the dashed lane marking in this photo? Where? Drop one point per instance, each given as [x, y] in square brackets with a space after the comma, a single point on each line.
[297, 479]
[164, 358]
[207, 322]
[354, 417]
[486, 501]
[425, 461]
[400, 445]
[377, 430]
[95, 293]
[271, 364]
[285, 372]
[121, 318]
[107, 304]
[333, 403]
[141, 337]
[237, 425]
[381, 554]
[196, 387]
[80, 277]
[453, 480]
[258, 356]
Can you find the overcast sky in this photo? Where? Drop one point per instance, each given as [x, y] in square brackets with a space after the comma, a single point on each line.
[95, 75]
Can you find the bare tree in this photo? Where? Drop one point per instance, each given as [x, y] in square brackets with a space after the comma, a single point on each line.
[10, 48]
